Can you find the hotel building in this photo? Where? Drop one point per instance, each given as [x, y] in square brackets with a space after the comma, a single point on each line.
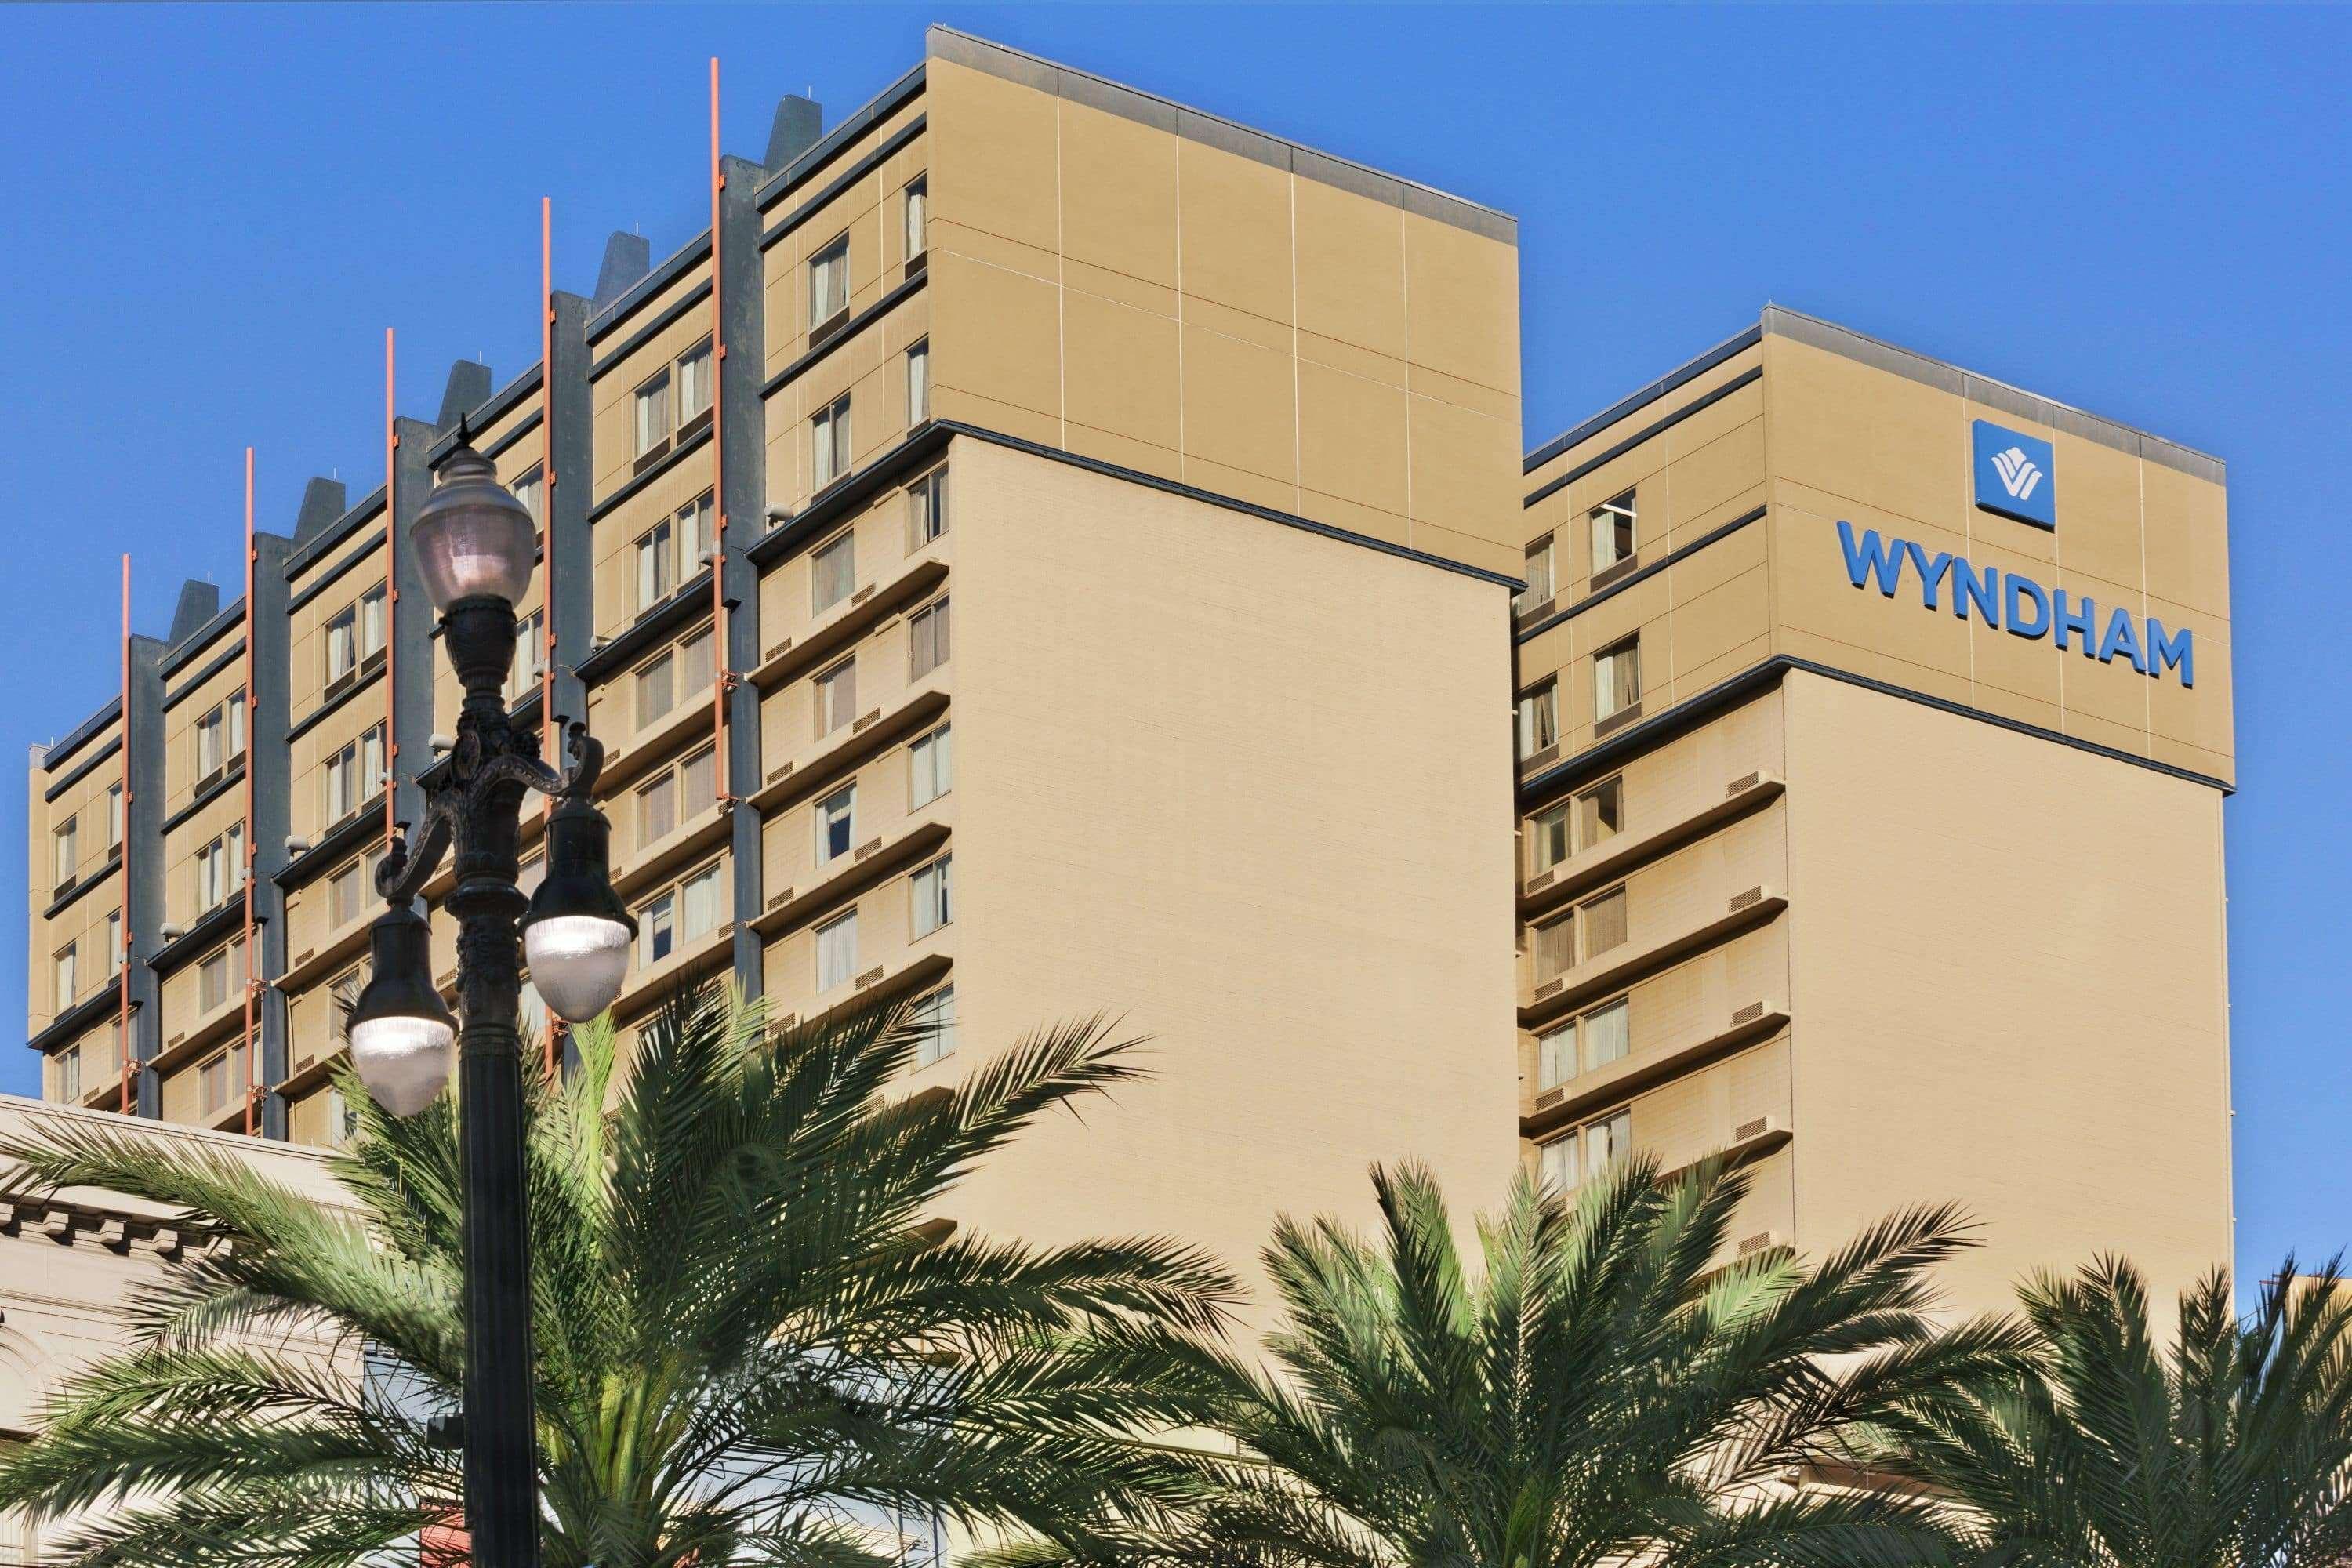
[1057, 550]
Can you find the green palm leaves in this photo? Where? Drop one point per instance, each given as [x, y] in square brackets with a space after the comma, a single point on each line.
[755, 1340]
[2233, 1450]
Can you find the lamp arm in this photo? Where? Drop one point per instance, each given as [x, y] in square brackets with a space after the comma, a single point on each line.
[401, 874]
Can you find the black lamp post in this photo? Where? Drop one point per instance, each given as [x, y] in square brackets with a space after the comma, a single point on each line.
[476, 545]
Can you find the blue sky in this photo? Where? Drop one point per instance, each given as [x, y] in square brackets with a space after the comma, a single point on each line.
[208, 218]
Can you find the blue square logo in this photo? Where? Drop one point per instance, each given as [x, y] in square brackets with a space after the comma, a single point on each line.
[2014, 475]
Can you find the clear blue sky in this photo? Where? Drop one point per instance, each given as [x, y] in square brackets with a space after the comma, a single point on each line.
[208, 218]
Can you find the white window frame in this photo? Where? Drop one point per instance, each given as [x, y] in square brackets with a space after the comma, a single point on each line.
[1538, 576]
[833, 571]
[935, 1014]
[692, 380]
[836, 951]
[828, 283]
[927, 507]
[1606, 521]
[1538, 719]
[930, 897]
[829, 448]
[929, 639]
[65, 849]
[650, 411]
[930, 766]
[919, 380]
[915, 210]
[836, 697]
[839, 810]
[1616, 678]
[657, 564]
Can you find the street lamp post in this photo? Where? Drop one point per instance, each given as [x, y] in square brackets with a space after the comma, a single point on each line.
[475, 545]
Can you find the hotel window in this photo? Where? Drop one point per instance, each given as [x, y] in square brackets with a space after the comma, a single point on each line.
[926, 632]
[1555, 948]
[1547, 839]
[216, 872]
[371, 628]
[530, 646]
[1603, 1035]
[1613, 533]
[829, 442]
[531, 491]
[693, 384]
[935, 1017]
[919, 383]
[1538, 720]
[348, 891]
[344, 995]
[220, 1078]
[656, 808]
[656, 565]
[68, 976]
[932, 904]
[342, 648]
[354, 774]
[1617, 680]
[220, 977]
[65, 851]
[931, 761]
[212, 745]
[1601, 812]
[1539, 575]
[696, 526]
[1556, 1057]
[69, 1074]
[657, 929]
[343, 1119]
[653, 418]
[834, 572]
[113, 816]
[657, 688]
[926, 509]
[1568, 1161]
[113, 940]
[698, 783]
[695, 669]
[828, 274]
[836, 951]
[1604, 922]
[836, 697]
[703, 905]
[836, 825]
[917, 205]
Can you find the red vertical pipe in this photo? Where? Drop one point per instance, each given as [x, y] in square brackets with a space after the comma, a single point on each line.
[122, 975]
[722, 677]
[252, 1058]
[550, 742]
[391, 597]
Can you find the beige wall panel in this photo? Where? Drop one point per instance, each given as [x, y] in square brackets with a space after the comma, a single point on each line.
[1122, 370]
[1351, 272]
[2099, 495]
[2198, 716]
[1465, 471]
[1387, 526]
[995, 158]
[997, 334]
[1236, 231]
[1641, 418]
[1705, 630]
[1462, 303]
[1863, 434]
[1322, 990]
[1701, 478]
[1239, 406]
[2188, 539]
[1351, 438]
[2068, 947]
[1118, 194]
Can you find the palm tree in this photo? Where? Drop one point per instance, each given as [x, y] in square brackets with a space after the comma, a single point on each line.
[754, 1343]
[2232, 1449]
[1606, 1390]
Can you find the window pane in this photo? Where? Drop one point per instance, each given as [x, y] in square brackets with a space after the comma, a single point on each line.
[68, 855]
[1607, 1140]
[1602, 811]
[698, 785]
[657, 809]
[1555, 948]
[935, 1016]
[836, 952]
[696, 671]
[919, 383]
[918, 210]
[1604, 922]
[1606, 1035]
[654, 693]
[694, 382]
[1612, 532]
[1539, 575]
[1556, 1057]
[1559, 1163]
[931, 760]
[834, 572]
[829, 283]
[236, 724]
[836, 825]
[931, 905]
[704, 908]
[657, 929]
[836, 698]
[927, 502]
[928, 635]
[653, 414]
[656, 574]
[1548, 838]
[1538, 719]
[370, 627]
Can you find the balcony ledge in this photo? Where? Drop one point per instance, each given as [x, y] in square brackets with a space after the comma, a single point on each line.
[1613, 970]
[1631, 1075]
[1616, 857]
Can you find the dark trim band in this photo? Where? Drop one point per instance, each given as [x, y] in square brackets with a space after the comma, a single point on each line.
[838, 139]
[113, 864]
[318, 715]
[688, 600]
[639, 483]
[204, 798]
[333, 574]
[1674, 380]
[651, 330]
[188, 688]
[1647, 432]
[842, 180]
[82, 769]
[849, 329]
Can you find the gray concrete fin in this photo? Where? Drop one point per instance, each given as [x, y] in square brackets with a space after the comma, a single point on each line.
[628, 257]
[799, 126]
[323, 500]
[199, 603]
[467, 388]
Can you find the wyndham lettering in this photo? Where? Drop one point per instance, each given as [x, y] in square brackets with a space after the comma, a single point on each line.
[2018, 604]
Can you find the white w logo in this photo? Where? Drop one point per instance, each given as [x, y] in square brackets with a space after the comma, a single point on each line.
[2018, 474]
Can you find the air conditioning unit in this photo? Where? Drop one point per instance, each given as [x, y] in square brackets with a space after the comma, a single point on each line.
[1551, 1098]
[1742, 785]
[1748, 899]
[1754, 1128]
[1543, 881]
[1749, 1013]
[1548, 988]
[777, 899]
[1762, 1241]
